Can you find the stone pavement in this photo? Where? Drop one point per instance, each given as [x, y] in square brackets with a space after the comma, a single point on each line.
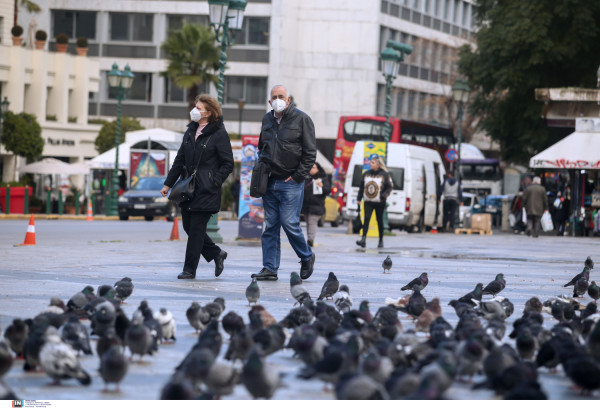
[72, 254]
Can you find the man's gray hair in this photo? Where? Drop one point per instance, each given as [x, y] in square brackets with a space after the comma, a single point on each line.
[279, 86]
[537, 180]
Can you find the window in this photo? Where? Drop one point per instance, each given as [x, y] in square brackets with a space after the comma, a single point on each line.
[397, 175]
[357, 175]
[74, 23]
[141, 89]
[175, 21]
[252, 89]
[131, 27]
[173, 93]
[255, 31]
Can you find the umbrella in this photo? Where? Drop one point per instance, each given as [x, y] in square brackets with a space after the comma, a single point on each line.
[52, 166]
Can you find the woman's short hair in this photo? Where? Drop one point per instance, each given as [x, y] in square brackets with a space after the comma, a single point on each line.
[211, 104]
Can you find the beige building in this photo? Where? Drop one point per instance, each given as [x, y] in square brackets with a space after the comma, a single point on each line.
[54, 87]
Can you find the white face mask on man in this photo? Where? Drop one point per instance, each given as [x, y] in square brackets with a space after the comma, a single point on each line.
[195, 115]
[278, 105]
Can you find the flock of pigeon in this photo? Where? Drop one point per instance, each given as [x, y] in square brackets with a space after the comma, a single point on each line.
[355, 353]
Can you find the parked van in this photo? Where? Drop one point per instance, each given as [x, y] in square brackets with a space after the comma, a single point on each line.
[417, 172]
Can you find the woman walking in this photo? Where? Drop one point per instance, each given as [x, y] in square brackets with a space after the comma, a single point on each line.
[316, 189]
[205, 147]
[375, 187]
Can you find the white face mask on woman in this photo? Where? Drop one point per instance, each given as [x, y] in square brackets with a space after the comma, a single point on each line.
[195, 115]
[278, 105]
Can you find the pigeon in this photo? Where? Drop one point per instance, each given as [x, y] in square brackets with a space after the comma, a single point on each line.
[240, 344]
[78, 301]
[297, 289]
[123, 289]
[221, 378]
[342, 299]
[496, 286]
[330, 287]
[474, 294]
[533, 305]
[215, 308]
[470, 354]
[16, 334]
[352, 386]
[376, 366]
[308, 344]
[491, 310]
[418, 283]
[266, 317]
[33, 344]
[59, 361]
[589, 263]
[167, 323]
[197, 316]
[56, 306]
[298, 316]
[261, 380]
[108, 339]
[526, 343]
[178, 388]
[6, 358]
[387, 264]
[580, 287]
[232, 323]
[113, 367]
[252, 292]
[75, 334]
[416, 305]
[583, 274]
[461, 307]
[103, 318]
[139, 338]
[594, 291]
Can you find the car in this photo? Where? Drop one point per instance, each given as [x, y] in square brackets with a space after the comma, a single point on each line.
[144, 199]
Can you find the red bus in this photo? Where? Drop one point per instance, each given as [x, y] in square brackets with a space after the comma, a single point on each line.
[354, 128]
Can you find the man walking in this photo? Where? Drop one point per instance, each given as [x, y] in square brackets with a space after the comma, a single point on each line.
[288, 144]
[535, 202]
[452, 192]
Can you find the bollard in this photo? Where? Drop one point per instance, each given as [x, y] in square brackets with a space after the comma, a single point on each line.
[60, 202]
[48, 201]
[93, 198]
[76, 202]
[505, 212]
[7, 202]
[26, 203]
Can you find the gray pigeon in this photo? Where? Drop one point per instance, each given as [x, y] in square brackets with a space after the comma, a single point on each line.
[580, 287]
[216, 307]
[330, 287]
[197, 316]
[261, 380]
[123, 289]
[221, 378]
[387, 264]
[342, 299]
[417, 283]
[113, 367]
[253, 292]
[103, 318]
[59, 361]
[583, 274]
[167, 323]
[297, 289]
[76, 335]
[139, 338]
[353, 386]
[6, 358]
[16, 334]
[496, 286]
[474, 294]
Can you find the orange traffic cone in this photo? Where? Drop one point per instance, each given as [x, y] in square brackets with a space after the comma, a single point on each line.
[434, 230]
[175, 231]
[30, 236]
[90, 214]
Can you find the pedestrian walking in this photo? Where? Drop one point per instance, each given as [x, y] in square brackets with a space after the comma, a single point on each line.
[235, 196]
[375, 188]
[206, 148]
[288, 145]
[536, 203]
[316, 188]
[451, 190]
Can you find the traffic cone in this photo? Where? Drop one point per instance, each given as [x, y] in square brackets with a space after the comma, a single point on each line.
[30, 235]
[90, 214]
[175, 231]
[434, 230]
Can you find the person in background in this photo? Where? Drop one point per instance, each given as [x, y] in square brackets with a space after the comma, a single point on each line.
[316, 188]
[535, 202]
[452, 193]
[206, 133]
[375, 188]
[235, 194]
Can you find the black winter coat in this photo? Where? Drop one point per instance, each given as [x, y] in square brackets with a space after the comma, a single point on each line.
[315, 204]
[289, 147]
[215, 166]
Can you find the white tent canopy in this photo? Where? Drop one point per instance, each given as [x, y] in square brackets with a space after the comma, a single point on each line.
[52, 166]
[154, 134]
[579, 150]
[106, 160]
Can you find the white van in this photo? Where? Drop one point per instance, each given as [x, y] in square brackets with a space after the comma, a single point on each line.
[417, 173]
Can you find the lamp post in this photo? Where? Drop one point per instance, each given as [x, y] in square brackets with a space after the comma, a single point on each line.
[226, 18]
[460, 95]
[241, 104]
[3, 110]
[120, 80]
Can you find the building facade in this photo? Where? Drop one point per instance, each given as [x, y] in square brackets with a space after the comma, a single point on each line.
[325, 51]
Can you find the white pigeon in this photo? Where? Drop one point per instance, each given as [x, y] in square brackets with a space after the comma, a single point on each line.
[342, 299]
[166, 320]
[59, 360]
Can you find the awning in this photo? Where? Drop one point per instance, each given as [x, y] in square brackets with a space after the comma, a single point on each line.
[579, 150]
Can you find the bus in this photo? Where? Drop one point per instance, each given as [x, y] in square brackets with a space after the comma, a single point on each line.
[354, 128]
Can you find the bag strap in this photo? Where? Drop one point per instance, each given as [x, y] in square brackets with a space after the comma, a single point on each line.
[200, 158]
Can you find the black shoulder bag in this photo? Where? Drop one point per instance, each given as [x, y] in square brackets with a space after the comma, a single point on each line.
[184, 188]
[260, 179]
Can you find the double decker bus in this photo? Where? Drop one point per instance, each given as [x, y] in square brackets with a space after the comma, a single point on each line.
[354, 128]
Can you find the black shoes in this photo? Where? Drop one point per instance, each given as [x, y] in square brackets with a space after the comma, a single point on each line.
[362, 242]
[219, 263]
[309, 242]
[264, 274]
[186, 275]
[380, 245]
[307, 267]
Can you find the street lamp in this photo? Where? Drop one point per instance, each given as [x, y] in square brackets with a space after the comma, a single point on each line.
[3, 110]
[121, 80]
[241, 103]
[460, 95]
[225, 16]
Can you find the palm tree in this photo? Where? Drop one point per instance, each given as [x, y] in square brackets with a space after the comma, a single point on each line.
[193, 57]
[29, 5]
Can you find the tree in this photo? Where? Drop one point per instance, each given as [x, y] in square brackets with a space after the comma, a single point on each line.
[29, 5]
[22, 135]
[107, 136]
[193, 57]
[523, 45]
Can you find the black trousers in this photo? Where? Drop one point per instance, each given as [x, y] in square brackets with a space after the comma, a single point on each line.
[533, 225]
[369, 207]
[199, 243]
[450, 206]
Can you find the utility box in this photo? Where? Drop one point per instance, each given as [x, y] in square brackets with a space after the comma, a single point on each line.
[481, 222]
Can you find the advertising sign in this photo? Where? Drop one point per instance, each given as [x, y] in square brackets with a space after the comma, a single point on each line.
[251, 214]
[146, 165]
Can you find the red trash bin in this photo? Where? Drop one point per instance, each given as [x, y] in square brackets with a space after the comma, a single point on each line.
[17, 199]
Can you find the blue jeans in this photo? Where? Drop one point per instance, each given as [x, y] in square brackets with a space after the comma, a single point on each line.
[282, 204]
